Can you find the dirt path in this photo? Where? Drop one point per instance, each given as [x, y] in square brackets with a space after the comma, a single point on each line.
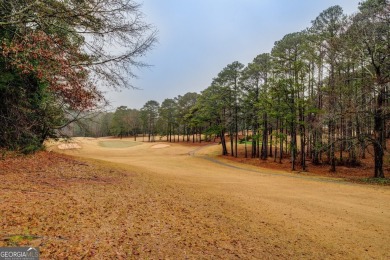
[231, 210]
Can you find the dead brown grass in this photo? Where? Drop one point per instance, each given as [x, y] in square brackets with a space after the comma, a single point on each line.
[144, 203]
[74, 209]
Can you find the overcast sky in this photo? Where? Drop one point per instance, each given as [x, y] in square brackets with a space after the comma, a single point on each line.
[198, 38]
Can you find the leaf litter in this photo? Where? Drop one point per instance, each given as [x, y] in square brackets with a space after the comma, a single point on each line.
[72, 208]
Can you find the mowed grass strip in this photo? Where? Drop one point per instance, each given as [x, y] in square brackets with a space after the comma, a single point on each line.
[118, 144]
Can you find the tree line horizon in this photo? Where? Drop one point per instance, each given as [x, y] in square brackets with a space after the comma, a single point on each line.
[321, 95]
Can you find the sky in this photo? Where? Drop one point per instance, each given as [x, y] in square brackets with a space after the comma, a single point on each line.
[198, 38]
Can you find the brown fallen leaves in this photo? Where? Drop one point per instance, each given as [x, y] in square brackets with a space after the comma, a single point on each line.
[62, 205]
[74, 209]
[360, 174]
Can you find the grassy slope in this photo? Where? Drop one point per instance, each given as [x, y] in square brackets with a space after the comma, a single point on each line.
[72, 208]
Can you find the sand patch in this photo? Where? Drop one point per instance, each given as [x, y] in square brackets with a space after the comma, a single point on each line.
[68, 146]
[159, 146]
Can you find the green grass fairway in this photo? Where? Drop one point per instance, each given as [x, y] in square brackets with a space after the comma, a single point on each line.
[118, 144]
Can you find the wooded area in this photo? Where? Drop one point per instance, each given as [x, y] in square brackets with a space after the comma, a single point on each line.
[54, 58]
[321, 94]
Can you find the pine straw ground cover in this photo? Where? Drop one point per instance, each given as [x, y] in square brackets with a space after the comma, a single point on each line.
[358, 174]
[73, 209]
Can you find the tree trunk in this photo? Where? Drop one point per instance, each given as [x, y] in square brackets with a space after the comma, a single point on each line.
[302, 137]
[379, 123]
[293, 144]
[276, 139]
[246, 139]
[264, 144]
[270, 142]
[236, 124]
[303, 154]
[332, 146]
[281, 146]
[315, 143]
[258, 143]
[223, 142]
[231, 142]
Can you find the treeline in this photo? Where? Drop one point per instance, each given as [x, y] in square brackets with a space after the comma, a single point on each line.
[321, 95]
[168, 120]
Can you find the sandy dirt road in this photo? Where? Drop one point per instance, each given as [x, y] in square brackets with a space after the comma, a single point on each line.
[225, 210]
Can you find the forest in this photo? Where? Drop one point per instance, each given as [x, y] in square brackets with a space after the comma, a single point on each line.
[321, 94]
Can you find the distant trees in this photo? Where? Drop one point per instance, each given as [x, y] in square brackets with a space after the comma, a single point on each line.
[125, 122]
[228, 79]
[149, 117]
[185, 104]
[253, 83]
[94, 125]
[212, 110]
[168, 116]
[170, 120]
